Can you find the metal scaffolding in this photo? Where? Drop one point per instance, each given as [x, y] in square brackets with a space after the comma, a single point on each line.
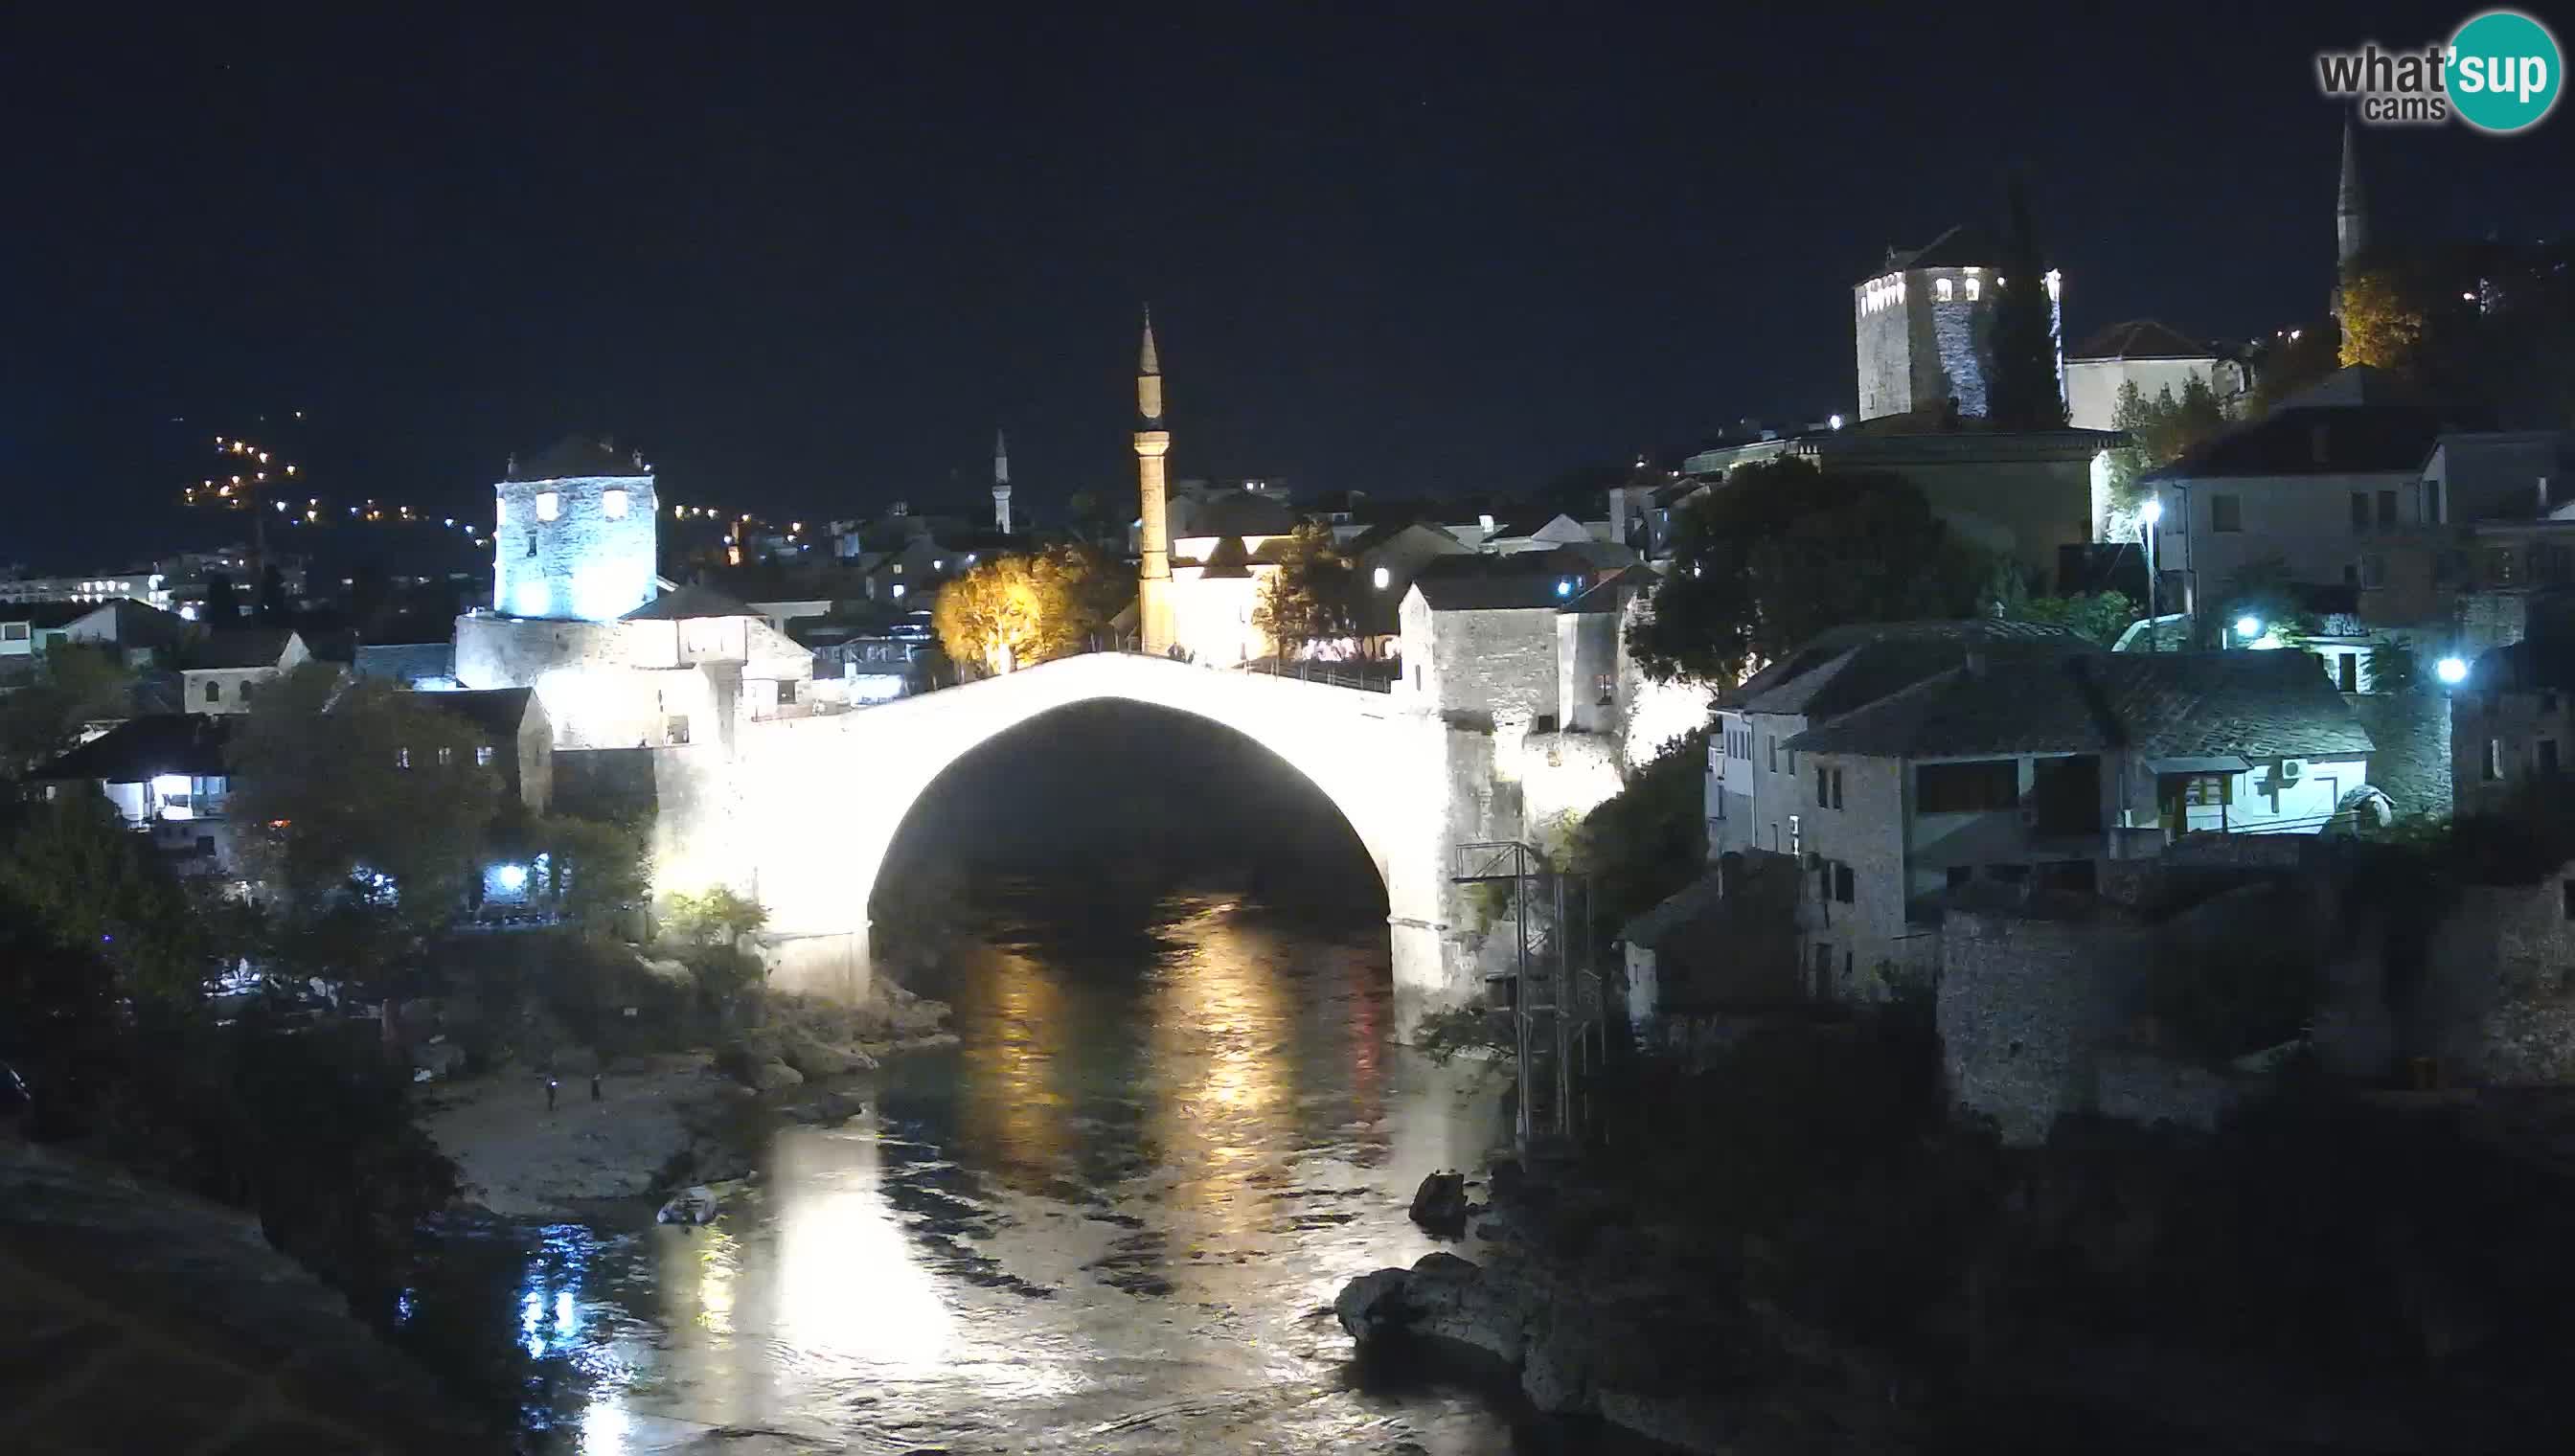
[1552, 992]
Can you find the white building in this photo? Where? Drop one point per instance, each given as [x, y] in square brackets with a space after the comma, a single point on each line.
[166, 775]
[2152, 356]
[221, 671]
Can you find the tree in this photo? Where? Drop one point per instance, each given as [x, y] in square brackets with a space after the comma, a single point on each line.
[2026, 392]
[1781, 552]
[75, 685]
[376, 818]
[1022, 609]
[599, 870]
[2160, 431]
[2099, 615]
[73, 871]
[2383, 319]
[1311, 598]
[223, 601]
[1648, 840]
[717, 917]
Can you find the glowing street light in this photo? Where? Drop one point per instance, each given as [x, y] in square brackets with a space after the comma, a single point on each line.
[2248, 627]
[2451, 670]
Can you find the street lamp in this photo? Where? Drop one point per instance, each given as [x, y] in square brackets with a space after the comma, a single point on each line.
[2150, 514]
[2248, 627]
[2451, 670]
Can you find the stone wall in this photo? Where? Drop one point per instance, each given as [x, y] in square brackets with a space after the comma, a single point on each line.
[2024, 1007]
[2411, 763]
[1495, 668]
[2498, 1004]
[583, 562]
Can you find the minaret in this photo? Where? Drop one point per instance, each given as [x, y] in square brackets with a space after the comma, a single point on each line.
[1153, 564]
[2351, 214]
[1000, 483]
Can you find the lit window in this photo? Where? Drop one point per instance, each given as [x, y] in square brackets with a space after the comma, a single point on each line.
[898, 591]
[402, 758]
[1940, 290]
[445, 757]
[483, 756]
[1380, 577]
[612, 504]
[548, 505]
[1975, 289]
[939, 566]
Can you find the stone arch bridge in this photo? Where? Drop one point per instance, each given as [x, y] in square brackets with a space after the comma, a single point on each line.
[804, 811]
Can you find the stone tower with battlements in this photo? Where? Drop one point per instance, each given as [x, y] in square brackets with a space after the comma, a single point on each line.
[1153, 544]
[575, 534]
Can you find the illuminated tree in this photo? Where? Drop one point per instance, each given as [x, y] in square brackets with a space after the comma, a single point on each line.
[2382, 319]
[717, 918]
[1020, 610]
[1311, 598]
[1781, 552]
[2160, 431]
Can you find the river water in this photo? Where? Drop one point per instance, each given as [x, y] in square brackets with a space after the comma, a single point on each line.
[1112, 1219]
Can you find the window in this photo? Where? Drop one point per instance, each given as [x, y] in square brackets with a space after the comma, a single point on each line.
[2566, 896]
[1823, 798]
[2432, 503]
[1966, 787]
[1844, 883]
[1975, 289]
[13, 632]
[483, 756]
[1940, 290]
[1837, 788]
[1609, 689]
[2360, 510]
[786, 692]
[612, 504]
[402, 758]
[1774, 752]
[214, 691]
[1796, 836]
[2199, 790]
[445, 757]
[2349, 672]
[2493, 768]
[2548, 757]
[548, 505]
[2225, 513]
[675, 729]
[532, 544]
[248, 689]
[2387, 508]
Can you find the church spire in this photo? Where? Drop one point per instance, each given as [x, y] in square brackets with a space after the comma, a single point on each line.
[1000, 483]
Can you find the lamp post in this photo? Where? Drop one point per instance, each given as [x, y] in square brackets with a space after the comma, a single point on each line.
[2149, 515]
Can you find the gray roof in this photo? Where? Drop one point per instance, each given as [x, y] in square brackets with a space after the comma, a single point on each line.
[148, 747]
[2140, 339]
[1609, 593]
[1241, 512]
[1848, 667]
[1680, 909]
[1522, 581]
[47, 614]
[406, 662]
[239, 646]
[2251, 705]
[499, 711]
[687, 603]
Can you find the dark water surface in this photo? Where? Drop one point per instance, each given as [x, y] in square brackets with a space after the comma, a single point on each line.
[1112, 1219]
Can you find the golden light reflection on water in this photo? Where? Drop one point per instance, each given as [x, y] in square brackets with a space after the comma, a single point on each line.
[850, 1279]
[1218, 1017]
[1012, 1100]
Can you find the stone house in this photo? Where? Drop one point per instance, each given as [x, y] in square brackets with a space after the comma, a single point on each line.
[1725, 943]
[221, 671]
[1479, 636]
[2035, 771]
[1387, 558]
[166, 775]
[517, 742]
[2510, 725]
[2148, 354]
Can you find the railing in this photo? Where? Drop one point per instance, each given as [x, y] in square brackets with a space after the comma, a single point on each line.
[1329, 676]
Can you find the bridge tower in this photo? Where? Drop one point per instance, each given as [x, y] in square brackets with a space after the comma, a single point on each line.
[1154, 548]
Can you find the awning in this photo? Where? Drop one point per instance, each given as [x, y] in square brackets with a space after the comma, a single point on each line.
[2218, 763]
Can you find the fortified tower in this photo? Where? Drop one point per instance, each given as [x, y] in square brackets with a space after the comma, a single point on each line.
[575, 534]
[1000, 483]
[1154, 552]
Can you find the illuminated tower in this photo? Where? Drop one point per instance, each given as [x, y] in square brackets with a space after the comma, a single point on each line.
[575, 534]
[1154, 548]
[1000, 483]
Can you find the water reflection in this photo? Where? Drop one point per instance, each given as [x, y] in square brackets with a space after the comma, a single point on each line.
[1106, 1221]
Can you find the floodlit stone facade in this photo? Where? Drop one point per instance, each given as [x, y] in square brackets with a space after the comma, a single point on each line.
[574, 545]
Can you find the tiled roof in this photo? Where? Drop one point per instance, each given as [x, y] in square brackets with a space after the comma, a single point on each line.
[2252, 704]
[2316, 439]
[689, 602]
[1520, 581]
[239, 646]
[2140, 339]
[497, 710]
[1226, 558]
[1241, 512]
[1900, 652]
[575, 457]
[47, 614]
[143, 748]
[1968, 244]
[406, 662]
[1606, 594]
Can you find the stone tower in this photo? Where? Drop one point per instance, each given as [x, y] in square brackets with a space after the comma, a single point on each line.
[1153, 544]
[1925, 325]
[1000, 483]
[575, 535]
[2351, 214]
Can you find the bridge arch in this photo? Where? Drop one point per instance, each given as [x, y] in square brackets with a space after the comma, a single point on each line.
[816, 802]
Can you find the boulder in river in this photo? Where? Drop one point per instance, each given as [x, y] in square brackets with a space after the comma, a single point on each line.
[1442, 1299]
[1440, 1205]
[773, 1076]
[816, 1058]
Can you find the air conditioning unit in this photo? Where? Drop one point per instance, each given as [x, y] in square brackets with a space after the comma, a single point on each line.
[2289, 771]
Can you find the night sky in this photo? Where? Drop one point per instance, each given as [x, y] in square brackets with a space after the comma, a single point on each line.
[808, 264]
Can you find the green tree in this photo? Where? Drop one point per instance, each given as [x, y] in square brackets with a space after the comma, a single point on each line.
[75, 685]
[75, 872]
[1018, 610]
[1781, 552]
[599, 870]
[2160, 431]
[375, 820]
[1311, 598]
[717, 917]
[2385, 318]
[1648, 840]
[2099, 616]
[2026, 392]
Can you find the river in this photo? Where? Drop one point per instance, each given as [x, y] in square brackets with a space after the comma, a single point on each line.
[1111, 1219]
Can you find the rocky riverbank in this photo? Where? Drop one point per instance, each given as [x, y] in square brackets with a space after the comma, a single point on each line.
[647, 1124]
